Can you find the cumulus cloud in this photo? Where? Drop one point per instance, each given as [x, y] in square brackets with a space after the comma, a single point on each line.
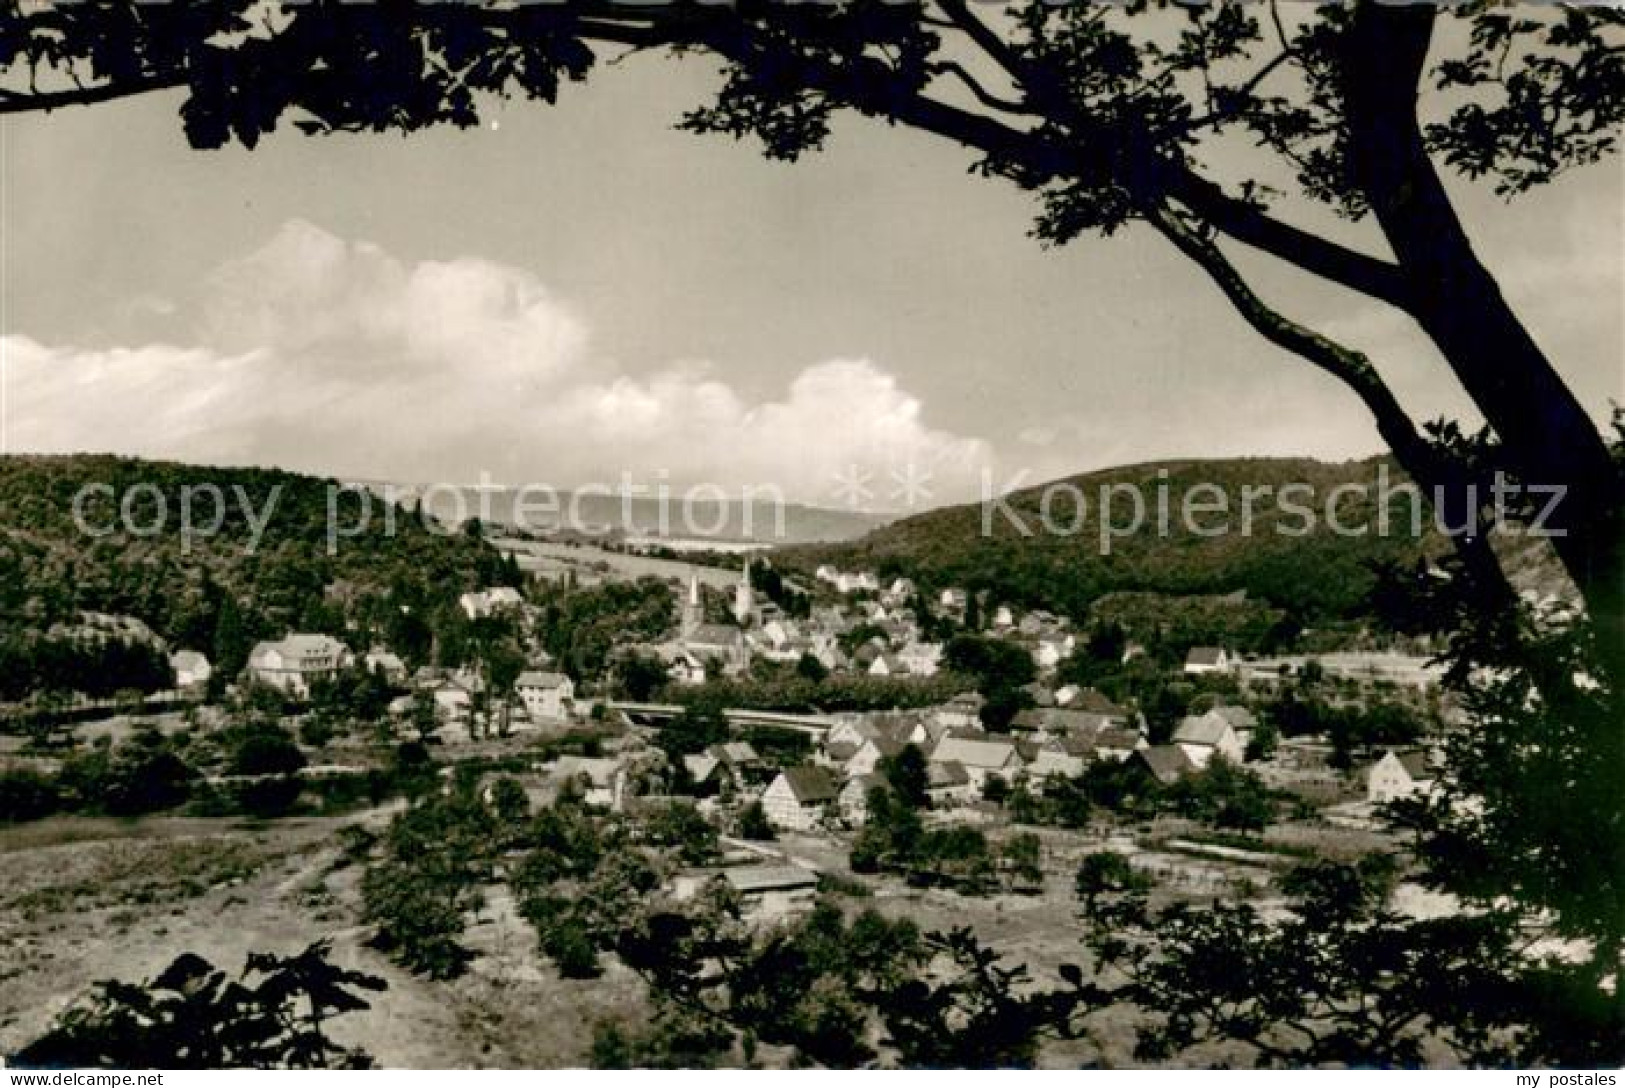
[327, 355]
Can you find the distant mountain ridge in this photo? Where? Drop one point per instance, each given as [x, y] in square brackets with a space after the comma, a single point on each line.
[1299, 563]
[593, 513]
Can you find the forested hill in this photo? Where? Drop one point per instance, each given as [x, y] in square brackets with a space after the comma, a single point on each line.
[212, 590]
[1290, 557]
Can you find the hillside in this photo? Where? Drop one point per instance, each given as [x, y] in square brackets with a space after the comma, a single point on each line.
[264, 569]
[1290, 557]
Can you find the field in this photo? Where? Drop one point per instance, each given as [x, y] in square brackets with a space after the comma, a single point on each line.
[590, 564]
[90, 899]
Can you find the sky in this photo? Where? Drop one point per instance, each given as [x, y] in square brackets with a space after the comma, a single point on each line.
[569, 294]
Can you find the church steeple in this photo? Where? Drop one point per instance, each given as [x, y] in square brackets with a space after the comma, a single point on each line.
[744, 596]
[693, 609]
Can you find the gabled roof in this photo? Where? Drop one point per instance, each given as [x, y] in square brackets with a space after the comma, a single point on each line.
[887, 746]
[534, 678]
[1166, 762]
[841, 750]
[1095, 702]
[1415, 763]
[1072, 746]
[700, 766]
[188, 659]
[299, 648]
[1060, 720]
[734, 752]
[809, 784]
[1118, 738]
[1203, 655]
[985, 752]
[1207, 729]
[1239, 717]
[946, 775]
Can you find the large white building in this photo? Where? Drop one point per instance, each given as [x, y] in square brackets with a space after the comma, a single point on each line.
[548, 696]
[291, 664]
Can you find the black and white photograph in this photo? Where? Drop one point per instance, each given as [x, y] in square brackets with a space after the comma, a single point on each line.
[811, 535]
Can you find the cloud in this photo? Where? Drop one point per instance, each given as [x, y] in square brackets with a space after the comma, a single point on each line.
[322, 354]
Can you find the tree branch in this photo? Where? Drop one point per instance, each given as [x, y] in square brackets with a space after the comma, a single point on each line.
[45, 101]
[1355, 371]
[983, 95]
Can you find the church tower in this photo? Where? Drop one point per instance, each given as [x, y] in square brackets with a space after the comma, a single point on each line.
[693, 610]
[744, 597]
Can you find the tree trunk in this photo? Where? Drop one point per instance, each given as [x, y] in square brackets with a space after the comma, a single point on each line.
[1546, 435]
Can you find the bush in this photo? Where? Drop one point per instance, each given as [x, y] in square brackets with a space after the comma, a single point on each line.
[754, 824]
[25, 794]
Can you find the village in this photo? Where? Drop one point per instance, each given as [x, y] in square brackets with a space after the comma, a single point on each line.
[997, 753]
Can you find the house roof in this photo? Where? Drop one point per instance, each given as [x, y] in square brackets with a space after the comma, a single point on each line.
[1238, 716]
[984, 752]
[700, 766]
[1096, 702]
[1117, 738]
[188, 659]
[841, 750]
[713, 634]
[1166, 762]
[734, 751]
[770, 878]
[299, 648]
[1415, 763]
[535, 678]
[1206, 729]
[809, 784]
[946, 774]
[1060, 720]
[1203, 655]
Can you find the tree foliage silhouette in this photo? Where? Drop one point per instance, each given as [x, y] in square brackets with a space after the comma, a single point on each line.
[195, 1016]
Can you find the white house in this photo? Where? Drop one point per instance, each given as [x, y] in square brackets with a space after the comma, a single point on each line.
[548, 696]
[854, 797]
[1203, 736]
[1207, 659]
[1063, 757]
[381, 660]
[603, 781]
[1049, 652]
[796, 799]
[454, 695]
[1397, 775]
[488, 601]
[887, 664]
[766, 892]
[1118, 742]
[983, 755]
[682, 666]
[948, 784]
[192, 670]
[921, 658]
[293, 663]
[869, 754]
